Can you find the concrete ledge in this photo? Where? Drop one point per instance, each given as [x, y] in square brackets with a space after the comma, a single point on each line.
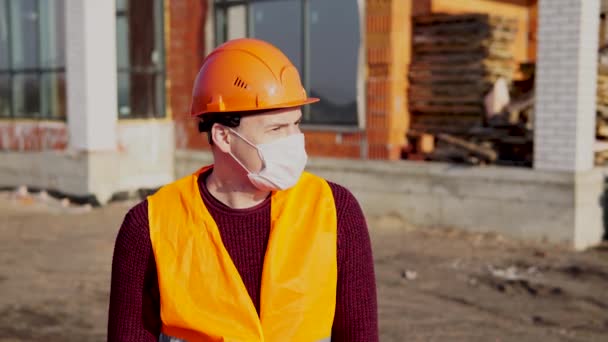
[557, 207]
[140, 163]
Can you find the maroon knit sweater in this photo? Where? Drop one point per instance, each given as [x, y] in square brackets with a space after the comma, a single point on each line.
[134, 313]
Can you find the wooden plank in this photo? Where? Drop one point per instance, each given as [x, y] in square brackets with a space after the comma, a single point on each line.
[602, 111]
[484, 52]
[490, 73]
[483, 64]
[435, 129]
[436, 18]
[448, 90]
[463, 57]
[466, 29]
[445, 109]
[450, 38]
[483, 152]
[462, 79]
[476, 73]
[467, 98]
[452, 103]
[448, 18]
[485, 47]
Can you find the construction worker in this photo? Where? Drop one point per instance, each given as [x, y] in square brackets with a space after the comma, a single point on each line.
[250, 248]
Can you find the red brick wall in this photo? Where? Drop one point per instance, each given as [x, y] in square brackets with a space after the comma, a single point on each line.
[185, 50]
[334, 144]
[388, 41]
[32, 135]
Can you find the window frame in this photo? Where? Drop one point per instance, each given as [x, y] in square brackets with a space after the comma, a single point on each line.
[39, 72]
[220, 10]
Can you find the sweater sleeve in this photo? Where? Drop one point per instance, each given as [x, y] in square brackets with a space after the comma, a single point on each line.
[134, 306]
[356, 317]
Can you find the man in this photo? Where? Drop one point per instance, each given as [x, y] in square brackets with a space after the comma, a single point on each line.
[251, 248]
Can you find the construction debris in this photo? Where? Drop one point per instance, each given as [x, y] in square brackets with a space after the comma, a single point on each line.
[487, 154]
[42, 200]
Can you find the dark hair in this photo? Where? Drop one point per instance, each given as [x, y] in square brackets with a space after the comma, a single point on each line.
[231, 119]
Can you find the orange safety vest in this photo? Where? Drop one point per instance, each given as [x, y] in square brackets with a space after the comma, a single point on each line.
[202, 296]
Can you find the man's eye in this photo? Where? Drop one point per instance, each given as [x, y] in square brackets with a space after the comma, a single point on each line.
[278, 128]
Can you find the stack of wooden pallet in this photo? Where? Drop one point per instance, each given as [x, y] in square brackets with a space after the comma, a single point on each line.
[456, 59]
[602, 102]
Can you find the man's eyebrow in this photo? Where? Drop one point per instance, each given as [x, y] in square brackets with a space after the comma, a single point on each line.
[282, 124]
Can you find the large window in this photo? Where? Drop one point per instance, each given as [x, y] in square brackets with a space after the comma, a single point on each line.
[32, 59]
[139, 35]
[321, 37]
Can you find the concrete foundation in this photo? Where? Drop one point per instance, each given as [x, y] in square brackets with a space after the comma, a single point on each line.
[138, 163]
[557, 207]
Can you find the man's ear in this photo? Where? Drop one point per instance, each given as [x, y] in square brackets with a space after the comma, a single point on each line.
[221, 137]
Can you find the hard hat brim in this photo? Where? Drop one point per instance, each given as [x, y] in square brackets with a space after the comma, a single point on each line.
[284, 105]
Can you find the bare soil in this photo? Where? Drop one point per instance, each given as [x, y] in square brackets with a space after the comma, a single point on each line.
[433, 284]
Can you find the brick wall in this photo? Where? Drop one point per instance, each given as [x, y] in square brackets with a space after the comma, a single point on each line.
[565, 84]
[32, 135]
[185, 50]
[335, 144]
[388, 41]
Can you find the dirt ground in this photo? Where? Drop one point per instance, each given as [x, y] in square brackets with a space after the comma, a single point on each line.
[433, 284]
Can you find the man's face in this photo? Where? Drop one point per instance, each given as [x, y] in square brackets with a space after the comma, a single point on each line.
[260, 129]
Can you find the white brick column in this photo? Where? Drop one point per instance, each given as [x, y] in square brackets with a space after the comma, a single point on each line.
[566, 84]
[91, 74]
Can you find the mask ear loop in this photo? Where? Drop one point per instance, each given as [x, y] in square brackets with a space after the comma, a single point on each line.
[250, 144]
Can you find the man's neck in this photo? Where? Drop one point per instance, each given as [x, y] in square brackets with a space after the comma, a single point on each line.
[235, 192]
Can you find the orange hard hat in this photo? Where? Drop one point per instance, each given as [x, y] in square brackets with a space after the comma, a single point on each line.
[247, 75]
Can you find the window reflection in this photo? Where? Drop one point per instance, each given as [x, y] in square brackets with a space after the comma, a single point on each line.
[139, 35]
[331, 67]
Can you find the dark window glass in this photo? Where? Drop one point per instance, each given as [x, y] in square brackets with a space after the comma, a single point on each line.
[53, 95]
[24, 18]
[139, 34]
[26, 95]
[280, 23]
[4, 32]
[329, 30]
[5, 96]
[52, 42]
[334, 47]
[32, 59]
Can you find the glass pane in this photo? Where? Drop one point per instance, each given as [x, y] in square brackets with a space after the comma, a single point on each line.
[143, 49]
[143, 95]
[24, 33]
[237, 22]
[53, 95]
[266, 19]
[5, 96]
[121, 5]
[52, 33]
[124, 106]
[26, 95]
[333, 66]
[4, 61]
[220, 25]
[122, 41]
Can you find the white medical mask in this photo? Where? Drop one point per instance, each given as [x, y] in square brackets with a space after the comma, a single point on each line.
[283, 161]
